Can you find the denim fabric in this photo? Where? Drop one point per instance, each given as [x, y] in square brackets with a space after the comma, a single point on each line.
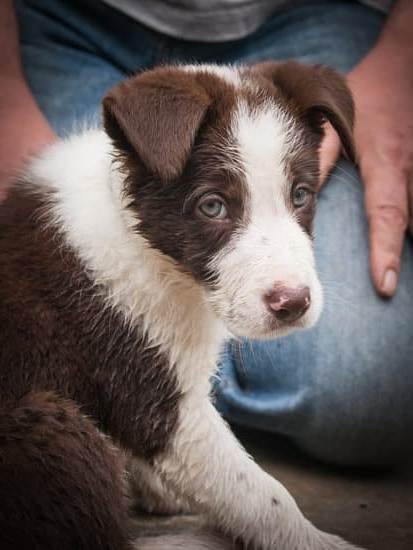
[343, 390]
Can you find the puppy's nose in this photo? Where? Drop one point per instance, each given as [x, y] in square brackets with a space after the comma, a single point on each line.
[288, 304]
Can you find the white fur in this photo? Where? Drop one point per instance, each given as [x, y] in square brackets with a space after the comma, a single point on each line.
[273, 248]
[205, 463]
[228, 73]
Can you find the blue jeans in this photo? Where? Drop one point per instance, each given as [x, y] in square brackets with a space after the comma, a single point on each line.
[342, 391]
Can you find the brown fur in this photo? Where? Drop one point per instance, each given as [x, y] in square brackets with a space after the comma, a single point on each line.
[57, 334]
[60, 480]
[176, 104]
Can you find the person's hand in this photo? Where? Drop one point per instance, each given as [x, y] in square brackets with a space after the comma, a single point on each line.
[382, 85]
[23, 130]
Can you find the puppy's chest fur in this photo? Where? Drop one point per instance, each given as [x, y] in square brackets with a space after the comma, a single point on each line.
[62, 328]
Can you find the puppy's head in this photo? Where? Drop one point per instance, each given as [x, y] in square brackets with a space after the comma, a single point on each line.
[222, 171]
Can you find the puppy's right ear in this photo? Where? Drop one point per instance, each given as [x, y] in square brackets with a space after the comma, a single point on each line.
[156, 115]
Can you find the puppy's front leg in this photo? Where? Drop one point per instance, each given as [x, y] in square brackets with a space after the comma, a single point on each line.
[208, 465]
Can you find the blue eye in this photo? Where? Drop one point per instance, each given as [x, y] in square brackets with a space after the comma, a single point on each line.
[213, 207]
[300, 196]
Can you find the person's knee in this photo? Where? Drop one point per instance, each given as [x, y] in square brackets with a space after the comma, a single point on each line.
[363, 419]
[358, 447]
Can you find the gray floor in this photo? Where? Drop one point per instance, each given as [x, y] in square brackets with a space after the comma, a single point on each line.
[374, 510]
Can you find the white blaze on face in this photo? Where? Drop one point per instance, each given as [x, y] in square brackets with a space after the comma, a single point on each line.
[272, 248]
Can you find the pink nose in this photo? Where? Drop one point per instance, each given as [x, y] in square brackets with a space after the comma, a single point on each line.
[288, 304]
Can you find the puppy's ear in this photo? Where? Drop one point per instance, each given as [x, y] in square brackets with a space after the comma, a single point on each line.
[156, 115]
[316, 93]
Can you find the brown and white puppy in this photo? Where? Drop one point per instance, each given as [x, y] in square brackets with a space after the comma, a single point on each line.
[127, 256]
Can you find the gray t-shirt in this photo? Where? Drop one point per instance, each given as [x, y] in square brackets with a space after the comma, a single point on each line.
[209, 20]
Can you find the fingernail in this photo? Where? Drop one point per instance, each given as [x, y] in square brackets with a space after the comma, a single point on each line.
[389, 284]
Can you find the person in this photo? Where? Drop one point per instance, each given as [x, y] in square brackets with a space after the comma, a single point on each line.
[343, 390]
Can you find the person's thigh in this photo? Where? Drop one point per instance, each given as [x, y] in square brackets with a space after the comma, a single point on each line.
[73, 51]
[343, 391]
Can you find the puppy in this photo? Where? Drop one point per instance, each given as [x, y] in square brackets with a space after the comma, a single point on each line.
[127, 256]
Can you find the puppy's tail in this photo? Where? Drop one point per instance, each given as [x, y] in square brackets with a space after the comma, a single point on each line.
[187, 541]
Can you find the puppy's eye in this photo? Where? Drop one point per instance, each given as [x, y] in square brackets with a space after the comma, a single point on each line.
[301, 195]
[213, 207]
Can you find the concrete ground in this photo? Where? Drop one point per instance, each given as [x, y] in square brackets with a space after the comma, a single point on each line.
[372, 509]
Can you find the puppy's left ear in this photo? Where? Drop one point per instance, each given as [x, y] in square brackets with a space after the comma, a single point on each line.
[316, 93]
[156, 116]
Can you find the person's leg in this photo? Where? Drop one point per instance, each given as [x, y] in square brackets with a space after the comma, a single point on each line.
[342, 391]
[73, 51]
